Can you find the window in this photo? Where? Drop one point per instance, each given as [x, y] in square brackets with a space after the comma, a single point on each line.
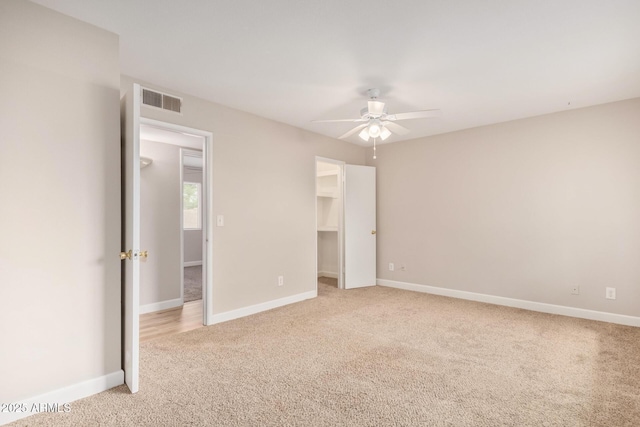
[192, 212]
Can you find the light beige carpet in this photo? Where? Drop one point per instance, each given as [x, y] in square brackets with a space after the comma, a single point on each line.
[328, 281]
[380, 357]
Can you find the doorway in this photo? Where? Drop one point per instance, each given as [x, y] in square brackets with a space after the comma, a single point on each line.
[173, 227]
[345, 225]
[192, 231]
[330, 222]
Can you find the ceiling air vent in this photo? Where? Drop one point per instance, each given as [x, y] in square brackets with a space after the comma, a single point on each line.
[161, 100]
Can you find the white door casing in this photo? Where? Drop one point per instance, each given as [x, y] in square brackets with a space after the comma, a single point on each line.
[359, 226]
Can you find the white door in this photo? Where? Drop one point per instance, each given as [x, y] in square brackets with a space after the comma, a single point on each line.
[359, 226]
[130, 121]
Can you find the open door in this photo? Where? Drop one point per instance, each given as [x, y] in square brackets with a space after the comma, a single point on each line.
[130, 255]
[359, 226]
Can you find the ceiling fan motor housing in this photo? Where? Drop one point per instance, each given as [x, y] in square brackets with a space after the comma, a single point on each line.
[365, 113]
[373, 93]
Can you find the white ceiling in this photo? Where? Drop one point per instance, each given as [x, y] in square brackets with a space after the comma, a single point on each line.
[294, 61]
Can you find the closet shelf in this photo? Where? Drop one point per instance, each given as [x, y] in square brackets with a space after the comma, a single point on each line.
[328, 173]
[331, 194]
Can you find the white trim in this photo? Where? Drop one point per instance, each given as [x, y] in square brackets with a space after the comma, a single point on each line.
[162, 305]
[580, 313]
[207, 226]
[257, 308]
[192, 263]
[181, 198]
[331, 274]
[65, 395]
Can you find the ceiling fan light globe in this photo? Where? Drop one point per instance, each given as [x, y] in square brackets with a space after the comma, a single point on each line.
[364, 134]
[385, 133]
[374, 130]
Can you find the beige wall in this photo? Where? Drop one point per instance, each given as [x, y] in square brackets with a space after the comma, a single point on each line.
[525, 209]
[328, 258]
[264, 185]
[60, 201]
[160, 226]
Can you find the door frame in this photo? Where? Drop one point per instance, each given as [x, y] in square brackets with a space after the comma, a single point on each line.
[207, 192]
[341, 165]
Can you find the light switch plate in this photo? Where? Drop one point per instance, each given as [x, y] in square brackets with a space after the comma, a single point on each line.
[220, 220]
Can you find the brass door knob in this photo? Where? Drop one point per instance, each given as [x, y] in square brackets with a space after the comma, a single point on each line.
[144, 254]
[373, 231]
[125, 255]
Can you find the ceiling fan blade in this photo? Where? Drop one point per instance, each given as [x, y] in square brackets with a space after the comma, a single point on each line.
[415, 115]
[338, 120]
[396, 128]
[352, 131]
[376, 108]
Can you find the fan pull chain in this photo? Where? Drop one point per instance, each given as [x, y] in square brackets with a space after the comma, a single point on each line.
[374, 148]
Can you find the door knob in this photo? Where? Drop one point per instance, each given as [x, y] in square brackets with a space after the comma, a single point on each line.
[144, 254]
[373, 231]
[125, 255]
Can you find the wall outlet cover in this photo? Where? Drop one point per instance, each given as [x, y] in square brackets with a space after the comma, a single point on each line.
[610, 293]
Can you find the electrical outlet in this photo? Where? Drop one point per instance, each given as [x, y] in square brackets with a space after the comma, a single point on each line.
[611, 293]
[575, 290]
[403, 267]
[391, 267]
[280, 280]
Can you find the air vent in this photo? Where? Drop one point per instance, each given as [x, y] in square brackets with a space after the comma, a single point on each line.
[171, 103]
[151, 98]
[161, 100]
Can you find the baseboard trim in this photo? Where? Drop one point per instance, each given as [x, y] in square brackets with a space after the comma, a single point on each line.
[581, 313]
[191, 263]
[64, 395]
[257, 308]
[162, 305]
[329, 274]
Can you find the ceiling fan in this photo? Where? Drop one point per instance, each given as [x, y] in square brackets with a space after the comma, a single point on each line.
[377, 122]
